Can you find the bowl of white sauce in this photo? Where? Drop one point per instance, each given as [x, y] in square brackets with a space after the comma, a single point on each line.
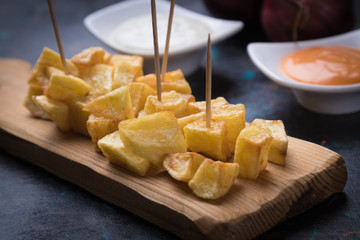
[126, 27]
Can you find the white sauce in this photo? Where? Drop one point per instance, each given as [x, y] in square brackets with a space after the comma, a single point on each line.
[136, 33]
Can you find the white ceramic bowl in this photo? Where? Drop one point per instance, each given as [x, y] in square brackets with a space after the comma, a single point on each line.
[187, 57]
[340, 99]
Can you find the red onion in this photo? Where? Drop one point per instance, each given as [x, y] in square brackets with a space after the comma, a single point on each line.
[246, 11]
[316, 18]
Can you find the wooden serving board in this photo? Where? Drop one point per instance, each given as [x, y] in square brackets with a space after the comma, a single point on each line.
[312, 173]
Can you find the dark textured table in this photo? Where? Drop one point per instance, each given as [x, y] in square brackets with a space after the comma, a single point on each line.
[37, 205]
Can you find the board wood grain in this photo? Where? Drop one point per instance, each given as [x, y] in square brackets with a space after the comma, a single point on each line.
[312, 173]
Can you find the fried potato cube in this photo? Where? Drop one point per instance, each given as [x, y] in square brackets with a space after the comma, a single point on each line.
[107, 57]
[79, 116]
[234, 117]
[126, 69]
[174, 80]
[48, 58]
[141, 113]
[123, 75]
[182, 166]
[115, 104]
[114, 150]
[200, 106]
[135, 63]
[252, 150]
[170, 101]
[139, 92]
[99, 127]
[57, 111]
[213, 179]
[43, 77]
[99, 77]
[279, 144]
[33, 79]
[30, 104]
[52, 70]
[152, 136]
[89, 57]
[66, 87]
[209, 141]
[183, 121]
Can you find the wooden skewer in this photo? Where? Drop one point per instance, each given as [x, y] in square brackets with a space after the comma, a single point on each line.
[57, 34]
[166, 52]
[208, 83]
[156, 50]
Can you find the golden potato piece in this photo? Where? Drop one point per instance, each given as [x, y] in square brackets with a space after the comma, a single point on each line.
[123, 75]
[66, 87]
[134, 62]
[182, 166]
[99, 127]
[43, 77]
[138, 94]
[52, 70]
[213, 179]
[234, 117]
[48, 58]
[209, 141]
[79, 116]
[200, 106]
[174, 80]
[279, 144]
[252, 150]
[30, 104]
[183, 121]
[115, 104]
[107, 57]
[33, 79]
[141, 113]
[57, 111]
[170, 101]
[152, 136]
[99, 77]
[115, 151]
[89, 57]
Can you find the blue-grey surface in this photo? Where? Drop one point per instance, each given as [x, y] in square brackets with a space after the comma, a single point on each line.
[37, 205]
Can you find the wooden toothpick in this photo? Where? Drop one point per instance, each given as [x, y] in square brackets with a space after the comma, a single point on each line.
[57, 34]
[208, 83]
[166, 52]
[156, 50]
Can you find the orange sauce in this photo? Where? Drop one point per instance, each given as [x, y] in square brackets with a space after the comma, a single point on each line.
[325, 65]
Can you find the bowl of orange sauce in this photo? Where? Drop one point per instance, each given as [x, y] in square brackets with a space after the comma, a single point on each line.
[324, 74]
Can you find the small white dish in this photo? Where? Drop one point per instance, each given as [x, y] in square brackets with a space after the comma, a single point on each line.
[339, 99]
[187, 57]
